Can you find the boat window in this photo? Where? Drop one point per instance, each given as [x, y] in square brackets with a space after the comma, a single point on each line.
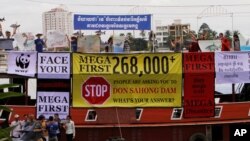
[91, 115]
[138, 113]
[217, 111]
[177, 114]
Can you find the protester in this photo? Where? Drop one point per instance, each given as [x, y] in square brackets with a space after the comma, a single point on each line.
[24, 122]
[40, 44]
[28, 129]
[1, 30]
[194, 45]
[236, 42]
[52, 127]
[8, 33]
[58, 121]
[72, 42]
[69, 129]
[38, 129]
[176, 44]
[98, 34]
[151, 39]
[45, 135]
[126, 47]
[16, 132]
[225, 44]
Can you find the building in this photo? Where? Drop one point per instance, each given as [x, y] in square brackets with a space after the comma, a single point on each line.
[162, 36]
[177, 29]
[58, 19]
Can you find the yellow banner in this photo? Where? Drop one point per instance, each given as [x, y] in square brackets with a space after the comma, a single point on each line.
[127, 80]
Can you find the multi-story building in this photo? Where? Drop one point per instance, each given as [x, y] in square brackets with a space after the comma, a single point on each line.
[58, 19]
[177, 29]
[161, 36]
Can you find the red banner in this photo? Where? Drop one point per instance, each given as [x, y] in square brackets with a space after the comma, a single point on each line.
[199, 84]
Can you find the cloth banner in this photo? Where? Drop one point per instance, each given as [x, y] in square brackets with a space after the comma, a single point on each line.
[198, 85]
[210, 45]
[232, 67]
[89, 44]
[25, 41]
[50, 103]
[22, 63]
[54, 65]
[118, 44]
[56, 39]
[127, 80]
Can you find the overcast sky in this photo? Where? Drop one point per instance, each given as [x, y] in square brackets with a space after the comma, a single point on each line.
[28, 13]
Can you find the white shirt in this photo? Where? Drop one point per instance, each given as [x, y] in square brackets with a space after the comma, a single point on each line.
[70, 127]
[16, 131]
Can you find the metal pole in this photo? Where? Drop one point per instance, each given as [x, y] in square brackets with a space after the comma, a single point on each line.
[232, 30]
[197, 28]
[232, 14]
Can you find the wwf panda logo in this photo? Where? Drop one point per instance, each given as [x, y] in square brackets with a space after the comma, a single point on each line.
[23, 61]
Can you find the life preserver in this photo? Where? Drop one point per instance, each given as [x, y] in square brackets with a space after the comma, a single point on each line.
[198, 137]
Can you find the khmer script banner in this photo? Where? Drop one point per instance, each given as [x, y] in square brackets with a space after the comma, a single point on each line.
[232, 67]
[112, 22]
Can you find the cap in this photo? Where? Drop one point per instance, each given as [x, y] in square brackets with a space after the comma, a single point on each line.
[39, 34]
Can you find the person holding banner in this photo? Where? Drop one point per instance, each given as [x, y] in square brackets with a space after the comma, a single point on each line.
[176, 44]
[73, 44]
[151, 40]
[8, 33]
[236, 42]
[194, 45]
[40, 44]
[225, 43]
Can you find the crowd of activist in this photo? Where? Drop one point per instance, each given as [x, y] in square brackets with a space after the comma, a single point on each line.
[78, 42]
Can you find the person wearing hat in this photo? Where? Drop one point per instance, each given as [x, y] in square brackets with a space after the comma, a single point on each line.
[39, 43]
[16, 132]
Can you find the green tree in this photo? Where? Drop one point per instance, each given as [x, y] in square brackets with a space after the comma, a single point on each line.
[228, 33]
[214, 34]
[204, 28]
[207, 31]
[5, 132]
[236, 32]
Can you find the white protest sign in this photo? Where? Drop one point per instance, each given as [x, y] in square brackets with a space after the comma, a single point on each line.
[210, 45]
[56, 39]
[50, 103]
[232, 67]
[53, 65]
[25, 41]
[89, 43]
[22, 63]
[118, 43]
